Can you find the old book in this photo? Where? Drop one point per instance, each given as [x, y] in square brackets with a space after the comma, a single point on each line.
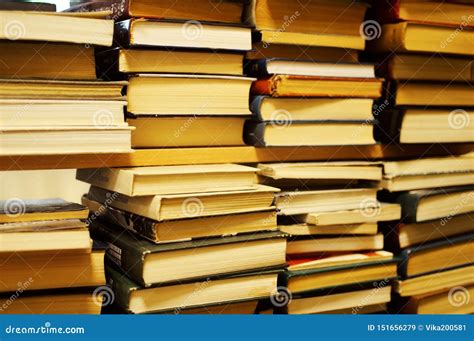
[266, 108]
[194, 131]
[57, 61]
[429, 165]
[222, 11]
[19, 210]
[138, 300]
[442, 280]
[57, 89]
[303, 202]
[414, 37]
[413, 182]
[52, 140]
[49, 113]
[306, 86]
[52, 270]
[167, 207]
[140, 181]
[304, 229]
[438, 255]
[184, 34]
[192, 95]
[27, 6]
[305, 246]
[283, 133]
[116, 61]
[185, 229]
[56, 27]
[148, 263]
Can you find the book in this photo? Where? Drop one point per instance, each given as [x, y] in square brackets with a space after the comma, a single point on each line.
[427, 68]
[285, 133]
[41, 225]
[194, 131]
[438, 255]
[321, 170]
[265, 108]
[414, 37]
[192, 95]
[27, 6]
[305, 246]
[139, 300]
[409, 234]
[437, 281]
[301, 86]
[21, 210]
[381, 212]
[140, 181]
[440, 125]
[440, 302]
[50, 113]
[310, 26]
[185, 229]
[57, 61]
[456, 95]
[64, 140]
[148, 263]
[426, 12]
[222, 11]
[167, 207]
[413, 182]
[303, 202]
[32, 89]
[423, 205]
[52, 270]
[79, 302]
[238, 308]
[182, 34]
[301, 281]
[114, 62]
[264, 67]
[56, 27]
[304, 229]
[262, 50]
[353, 300]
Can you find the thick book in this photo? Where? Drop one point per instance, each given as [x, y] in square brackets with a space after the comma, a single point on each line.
[185, 229]
[180, 296]
[423, 205]
[439, 255]
[229, 11]
[182, 34]
[307, 86]
[148, 263]
[27, 6]
[264, 67]
[282, 132]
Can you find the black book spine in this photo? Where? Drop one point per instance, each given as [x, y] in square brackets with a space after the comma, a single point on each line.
[256, 68]
[255, 107]
[122, 34]
[254, 134]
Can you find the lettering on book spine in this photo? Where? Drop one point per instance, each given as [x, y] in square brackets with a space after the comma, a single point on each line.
[115, 253]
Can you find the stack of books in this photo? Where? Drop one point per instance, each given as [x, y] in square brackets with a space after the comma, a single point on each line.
[425, 52]
[435, 236]
[46, 260]
[183, 238]
[185, 70]
[335, 252]
[299, 98]
[51, 100]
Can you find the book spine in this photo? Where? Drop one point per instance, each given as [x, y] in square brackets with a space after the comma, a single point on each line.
[388, 125]
[262, 87]
[119, 8]
[255, 107]
[257, 68]
[122, 34]
[254, 134]
[120, 286]
[107, 65]
[409, 203]
[387, 11]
